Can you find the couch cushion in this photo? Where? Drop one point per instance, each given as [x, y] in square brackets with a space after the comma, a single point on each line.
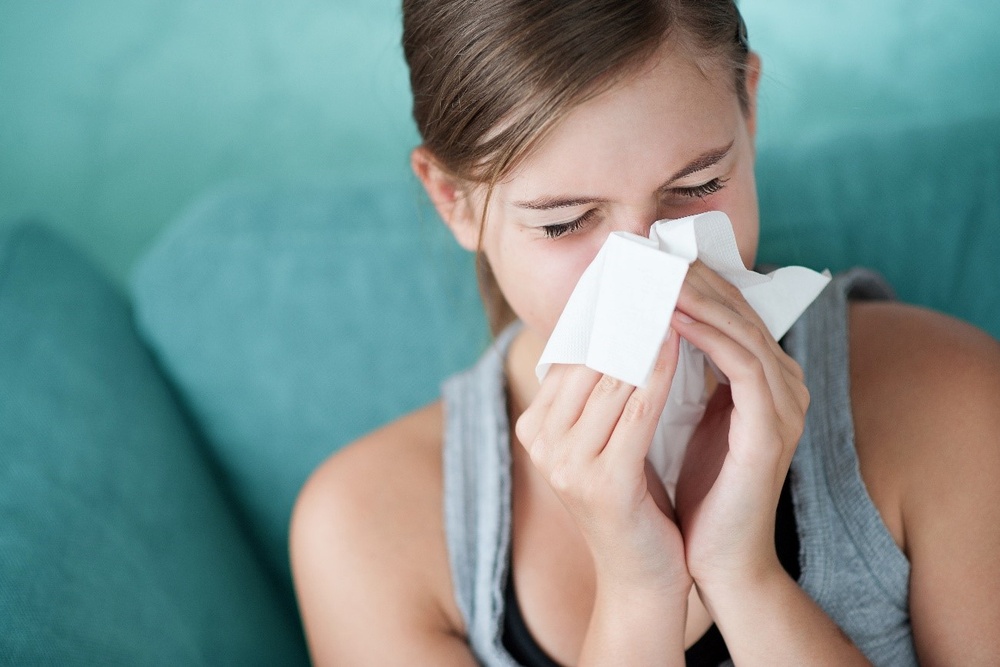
[118, 545]
[296, 318]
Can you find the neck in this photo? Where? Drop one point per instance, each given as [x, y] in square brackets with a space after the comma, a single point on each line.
[522, 357]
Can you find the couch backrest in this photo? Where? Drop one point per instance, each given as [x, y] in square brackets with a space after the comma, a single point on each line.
[115, 115]
[921, 204]
[296, 318]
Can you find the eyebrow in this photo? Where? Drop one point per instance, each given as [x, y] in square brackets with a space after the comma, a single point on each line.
[700, 163]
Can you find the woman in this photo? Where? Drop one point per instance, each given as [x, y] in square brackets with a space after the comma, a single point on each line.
[449, 537]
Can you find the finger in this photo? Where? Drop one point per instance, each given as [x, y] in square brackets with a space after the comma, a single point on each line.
[783, 372]
[794, 377]
[558, 403]
[712, 285]
[541, 401]
[708, 297]
[748, 377]
[780, 380]
[734, 296]
[632, 435]
[601, 412]
[530, 421]
[700, 303]
[549, 386]
[761, 395]
[572, 394]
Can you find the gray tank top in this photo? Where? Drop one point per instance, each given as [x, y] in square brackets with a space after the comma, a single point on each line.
[850, 564]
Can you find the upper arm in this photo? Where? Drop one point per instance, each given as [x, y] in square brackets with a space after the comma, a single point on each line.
[369, 561]
[939, 400]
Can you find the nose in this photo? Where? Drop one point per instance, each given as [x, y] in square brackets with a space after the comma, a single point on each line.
[638, 219]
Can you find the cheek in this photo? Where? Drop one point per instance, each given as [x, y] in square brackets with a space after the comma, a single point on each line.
[538, 276]
[745, 215]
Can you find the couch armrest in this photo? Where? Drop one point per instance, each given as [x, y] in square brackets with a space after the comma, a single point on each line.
[117, 543]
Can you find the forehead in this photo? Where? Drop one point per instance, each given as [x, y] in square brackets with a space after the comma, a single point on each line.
[671, 109]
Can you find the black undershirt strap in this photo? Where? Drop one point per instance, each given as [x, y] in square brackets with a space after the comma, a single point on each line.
[517, 639]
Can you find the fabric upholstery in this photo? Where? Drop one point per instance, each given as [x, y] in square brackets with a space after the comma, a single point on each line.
[296, 318]
[118, 545]
[920, 204]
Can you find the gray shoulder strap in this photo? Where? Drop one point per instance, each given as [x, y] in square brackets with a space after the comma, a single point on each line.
[477, 493]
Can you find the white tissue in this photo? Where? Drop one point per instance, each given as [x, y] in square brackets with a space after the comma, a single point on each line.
[618, 315]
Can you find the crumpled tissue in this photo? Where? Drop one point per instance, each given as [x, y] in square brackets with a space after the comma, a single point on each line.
[618, 314]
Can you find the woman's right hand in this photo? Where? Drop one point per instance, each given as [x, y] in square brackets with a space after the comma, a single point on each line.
[588, 434]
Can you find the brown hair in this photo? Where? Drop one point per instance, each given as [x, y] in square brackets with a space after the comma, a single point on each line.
[491, 77]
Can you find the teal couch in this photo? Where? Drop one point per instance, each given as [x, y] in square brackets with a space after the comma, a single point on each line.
[168, 379]
[153, 438]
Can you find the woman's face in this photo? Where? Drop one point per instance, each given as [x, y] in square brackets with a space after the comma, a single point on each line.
[669, 142]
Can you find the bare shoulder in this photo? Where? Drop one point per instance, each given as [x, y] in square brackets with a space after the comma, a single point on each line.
[924, 386]
[925, 390]
[368, 551]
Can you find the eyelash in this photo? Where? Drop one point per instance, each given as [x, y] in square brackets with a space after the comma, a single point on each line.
[555, 231]
[702, 191]
[699, 192]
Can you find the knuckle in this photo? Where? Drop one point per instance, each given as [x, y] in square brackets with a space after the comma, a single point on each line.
[549, 455]
[539, 451]
[747, 333]
[792, 417]
[754, 333]
[725, 287]
[607, 386]
[663, 364]
[699, 298]
[563, 479]
[753, 369]
[524, 427]
[804, 398]
[732, 299]
[636, 408]
[792, 431]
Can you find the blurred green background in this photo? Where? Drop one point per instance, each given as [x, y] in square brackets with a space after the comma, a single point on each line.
[115, 115]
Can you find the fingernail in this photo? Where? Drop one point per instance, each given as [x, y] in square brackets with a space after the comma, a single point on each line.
[682, 317]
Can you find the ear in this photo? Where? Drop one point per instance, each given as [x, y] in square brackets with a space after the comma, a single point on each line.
[752, 83]
[449, 197]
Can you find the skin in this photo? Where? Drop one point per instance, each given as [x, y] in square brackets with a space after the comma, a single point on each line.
[607, 571]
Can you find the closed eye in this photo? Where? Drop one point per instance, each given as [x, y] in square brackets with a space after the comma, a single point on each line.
[702, 191]
[555, 231]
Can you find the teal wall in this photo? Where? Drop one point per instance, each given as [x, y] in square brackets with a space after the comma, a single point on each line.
[115, 115]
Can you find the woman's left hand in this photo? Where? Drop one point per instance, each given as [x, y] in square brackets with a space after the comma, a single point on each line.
[736, 462]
